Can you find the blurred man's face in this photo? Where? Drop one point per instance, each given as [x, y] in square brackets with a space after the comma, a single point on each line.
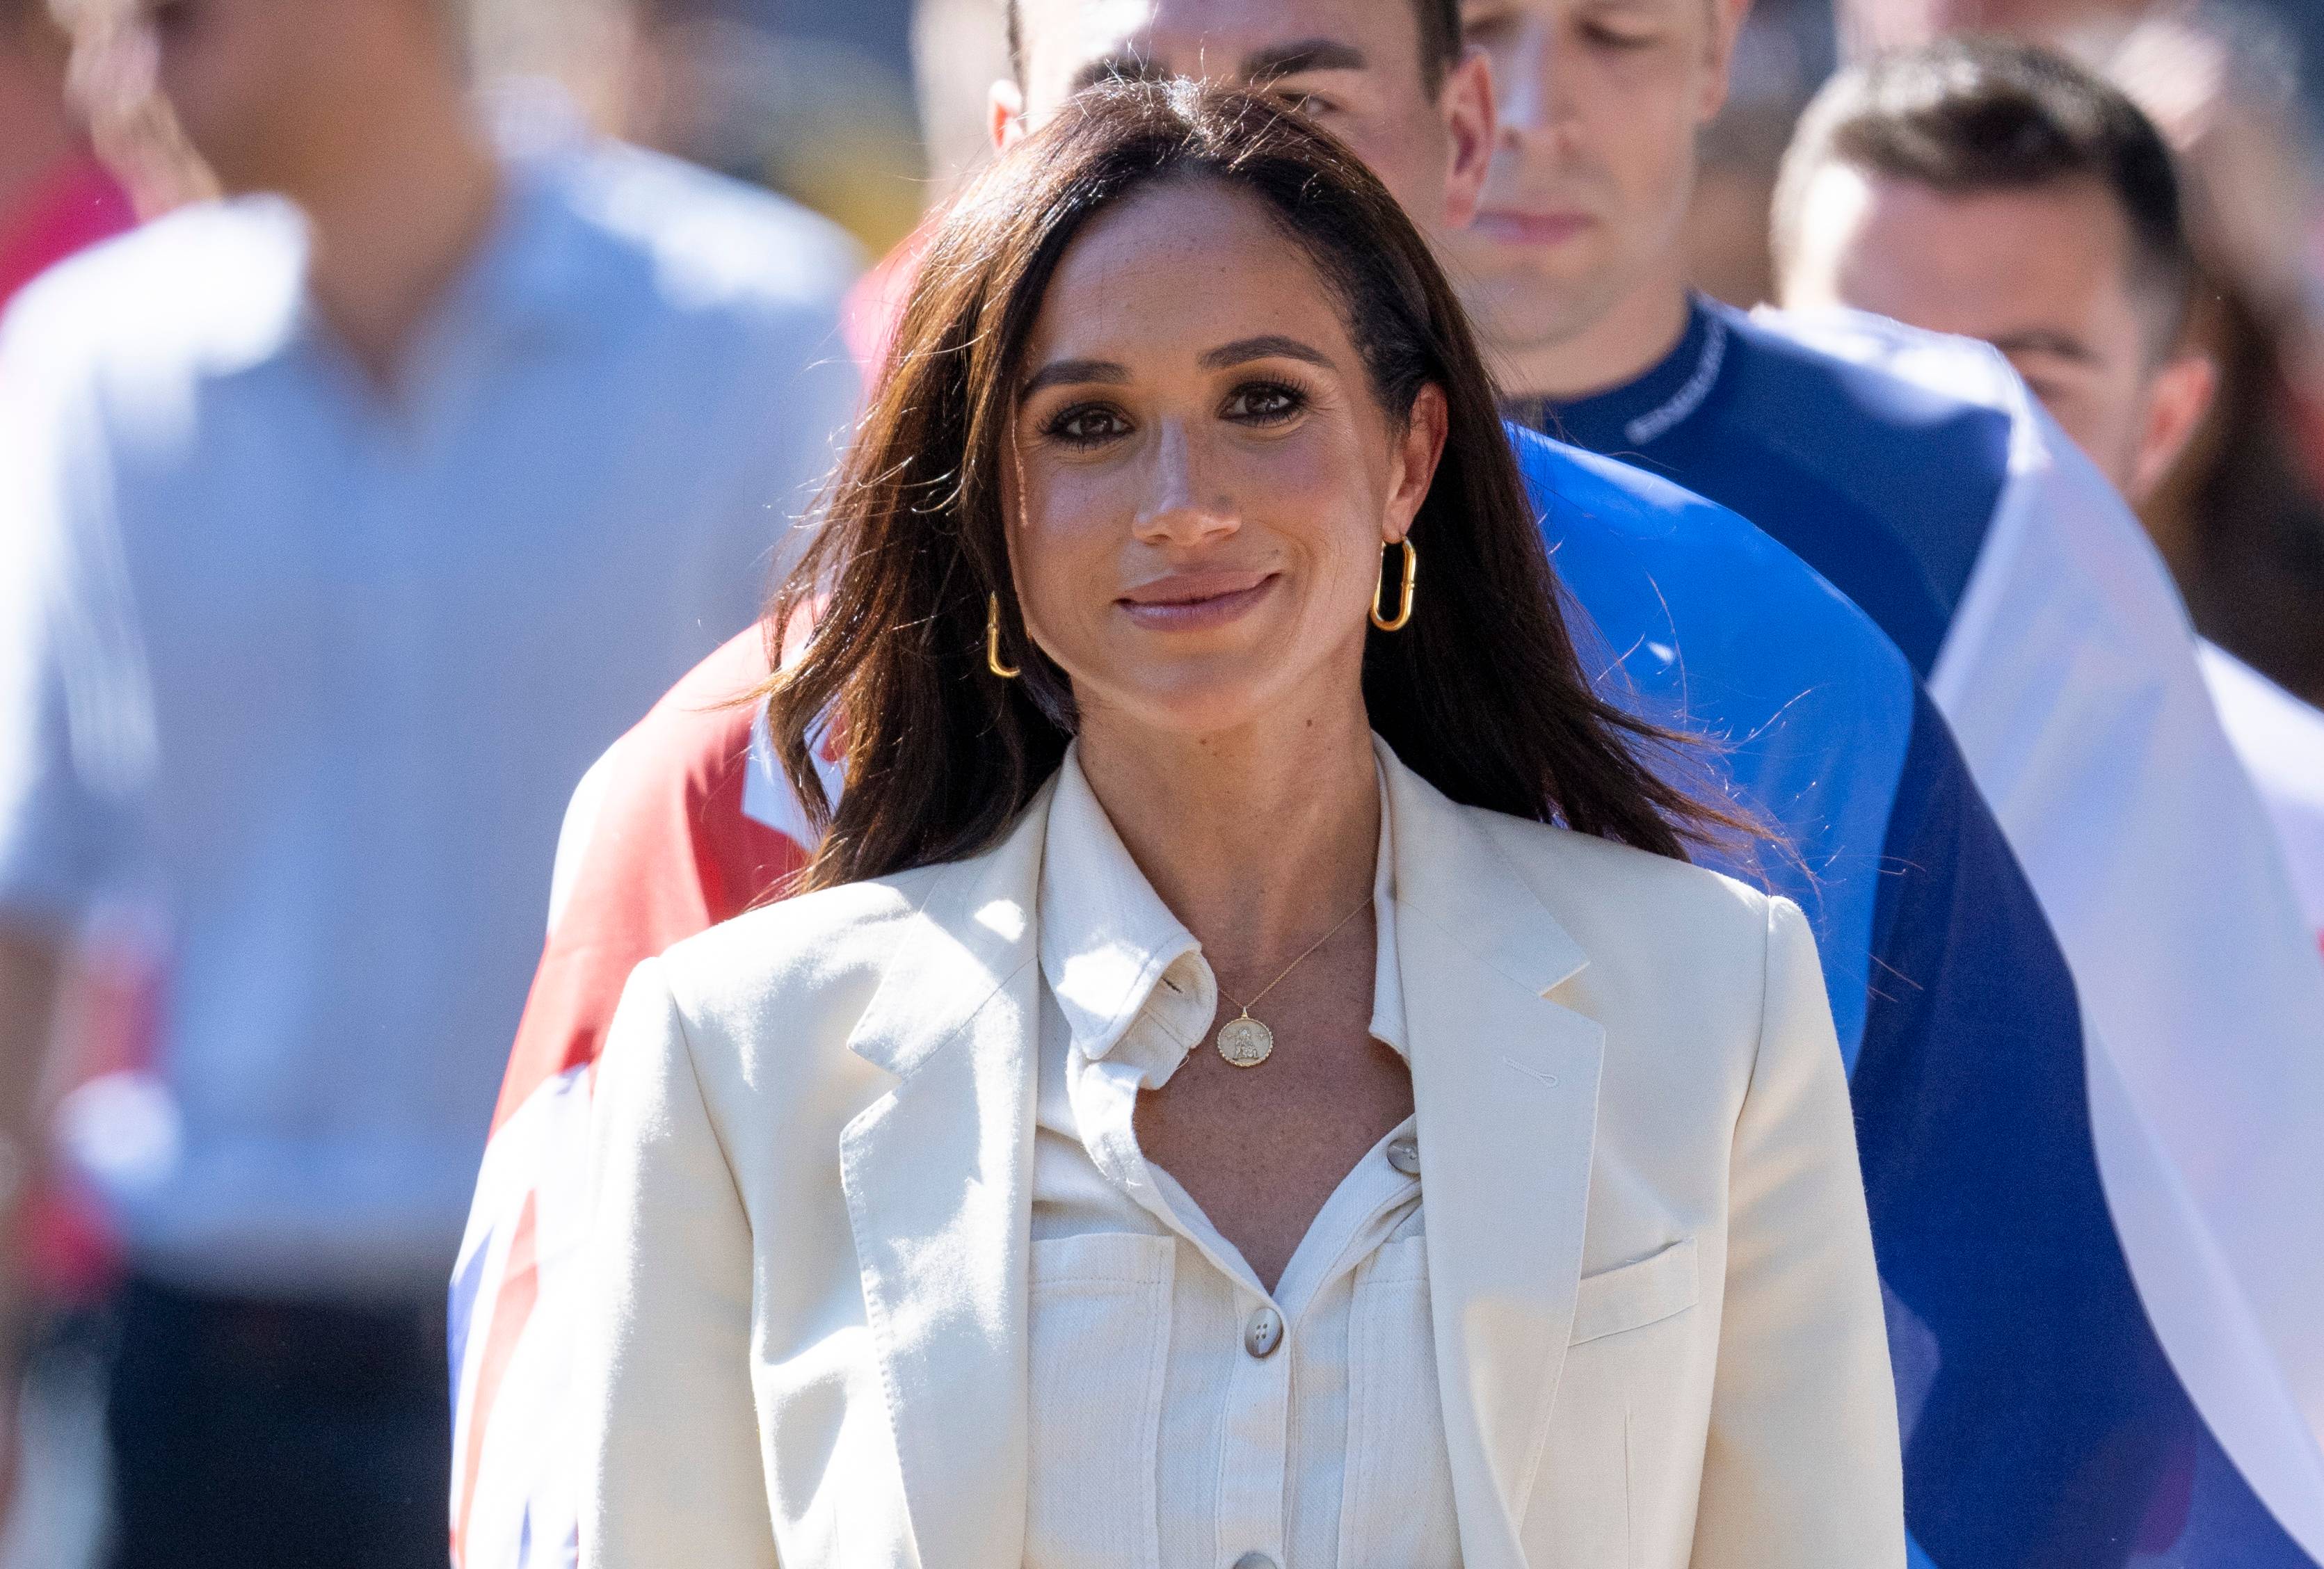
[237, 73]
[1870, 26]
[1599, 104]
[1352, 65]
[2042, 274]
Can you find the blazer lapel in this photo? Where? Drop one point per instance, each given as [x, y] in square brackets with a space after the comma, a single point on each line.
[1505, 1083]
[938, 1178]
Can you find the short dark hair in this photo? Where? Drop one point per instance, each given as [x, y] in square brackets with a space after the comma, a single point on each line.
[1482, 695]
[1965, 116]
[1440, 40]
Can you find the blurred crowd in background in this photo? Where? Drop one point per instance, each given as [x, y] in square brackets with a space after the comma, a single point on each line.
[869, 113]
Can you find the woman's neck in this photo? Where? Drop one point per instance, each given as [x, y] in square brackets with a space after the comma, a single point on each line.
[1259, 838]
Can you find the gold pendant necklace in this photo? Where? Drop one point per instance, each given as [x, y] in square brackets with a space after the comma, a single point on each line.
[1245, 1041]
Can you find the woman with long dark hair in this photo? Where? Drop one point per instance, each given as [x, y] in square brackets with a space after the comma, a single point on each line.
[1256, 1081]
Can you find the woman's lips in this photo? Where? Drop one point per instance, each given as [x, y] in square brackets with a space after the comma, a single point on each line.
[1527, 229]
[1192, 603]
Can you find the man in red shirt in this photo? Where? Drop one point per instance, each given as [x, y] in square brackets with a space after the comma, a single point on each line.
[605, 917]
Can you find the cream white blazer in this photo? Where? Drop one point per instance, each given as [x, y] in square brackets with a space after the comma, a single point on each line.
[1658, 1326]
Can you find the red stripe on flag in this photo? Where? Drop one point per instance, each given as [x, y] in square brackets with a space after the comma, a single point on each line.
[511, 1311]
[670, 854]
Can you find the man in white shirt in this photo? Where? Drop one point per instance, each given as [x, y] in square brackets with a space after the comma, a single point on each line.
[348, 519]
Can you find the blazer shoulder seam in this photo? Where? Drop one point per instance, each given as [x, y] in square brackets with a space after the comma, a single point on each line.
[710, 1113]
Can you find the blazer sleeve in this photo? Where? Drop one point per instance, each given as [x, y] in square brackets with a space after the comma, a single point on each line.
[1802, 1470]
[671, 1458]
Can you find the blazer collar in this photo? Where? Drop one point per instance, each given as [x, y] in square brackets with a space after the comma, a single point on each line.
[1447, 867]
[938, 1173]
[1505, 1083]
[973, 929]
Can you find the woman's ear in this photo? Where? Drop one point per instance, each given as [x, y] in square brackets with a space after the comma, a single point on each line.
[1418, 449]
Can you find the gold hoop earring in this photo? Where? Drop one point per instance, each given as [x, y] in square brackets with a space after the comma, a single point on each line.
[992, 640]
[1404, 606]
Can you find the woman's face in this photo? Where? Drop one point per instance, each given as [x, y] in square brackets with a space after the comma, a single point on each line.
[1201, 482]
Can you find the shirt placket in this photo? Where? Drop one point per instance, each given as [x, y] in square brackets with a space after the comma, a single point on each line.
[1252, 1512]
[1255, 1453]
[1380, 1195]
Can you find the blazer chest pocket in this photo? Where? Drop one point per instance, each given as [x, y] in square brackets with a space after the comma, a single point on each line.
[1633, 1295]
[1620, 1427]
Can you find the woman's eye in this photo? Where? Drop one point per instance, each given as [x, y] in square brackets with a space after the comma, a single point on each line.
[1264, 403]
[1086, 425]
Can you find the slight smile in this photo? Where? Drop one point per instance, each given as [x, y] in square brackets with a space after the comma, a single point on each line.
[1196, 601]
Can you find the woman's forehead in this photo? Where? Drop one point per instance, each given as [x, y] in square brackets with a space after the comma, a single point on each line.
[1189, 264]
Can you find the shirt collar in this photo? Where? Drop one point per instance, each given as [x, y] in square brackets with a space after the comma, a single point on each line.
[1107, 939]
[532, 274]
[1111, 950]
[1640, 411]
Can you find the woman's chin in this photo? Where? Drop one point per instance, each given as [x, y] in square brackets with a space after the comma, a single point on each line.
[1197, 697]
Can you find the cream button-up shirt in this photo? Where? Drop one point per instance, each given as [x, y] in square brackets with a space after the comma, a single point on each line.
[1182, 1417]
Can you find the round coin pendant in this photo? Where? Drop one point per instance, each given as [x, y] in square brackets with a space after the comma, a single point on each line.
[1245, 1041]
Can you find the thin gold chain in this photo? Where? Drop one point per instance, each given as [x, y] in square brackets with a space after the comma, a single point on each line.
[1295, 963]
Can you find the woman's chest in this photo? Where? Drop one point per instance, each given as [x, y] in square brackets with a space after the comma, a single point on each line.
[1261, 1148]
[1179, 1417]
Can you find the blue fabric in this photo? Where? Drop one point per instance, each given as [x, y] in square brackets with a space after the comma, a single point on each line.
[1886, 488]
[2043, 1425]
[1695, 618]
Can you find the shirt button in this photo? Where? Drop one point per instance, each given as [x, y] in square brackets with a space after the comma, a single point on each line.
[1404, 1154]
[1254, 1561]
[1261, 1333]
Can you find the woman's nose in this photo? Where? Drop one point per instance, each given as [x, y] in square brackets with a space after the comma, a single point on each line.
[1177, 508]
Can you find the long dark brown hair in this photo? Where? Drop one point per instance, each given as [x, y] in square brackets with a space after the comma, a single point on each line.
[1480, 694]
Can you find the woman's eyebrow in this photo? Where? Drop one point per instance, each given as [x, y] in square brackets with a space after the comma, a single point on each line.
[1266, 345]
[1111, 372]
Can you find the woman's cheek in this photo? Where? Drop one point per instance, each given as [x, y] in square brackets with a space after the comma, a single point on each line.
[1077, 538]
[1071, 533]
[1325, 492]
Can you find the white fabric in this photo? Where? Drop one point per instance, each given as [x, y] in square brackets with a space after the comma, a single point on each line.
[2068, 675]
[805, 1324]
[1155, 1438]
[2281, 741]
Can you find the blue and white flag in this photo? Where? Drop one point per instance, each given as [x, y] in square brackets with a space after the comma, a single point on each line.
[1918, 475]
